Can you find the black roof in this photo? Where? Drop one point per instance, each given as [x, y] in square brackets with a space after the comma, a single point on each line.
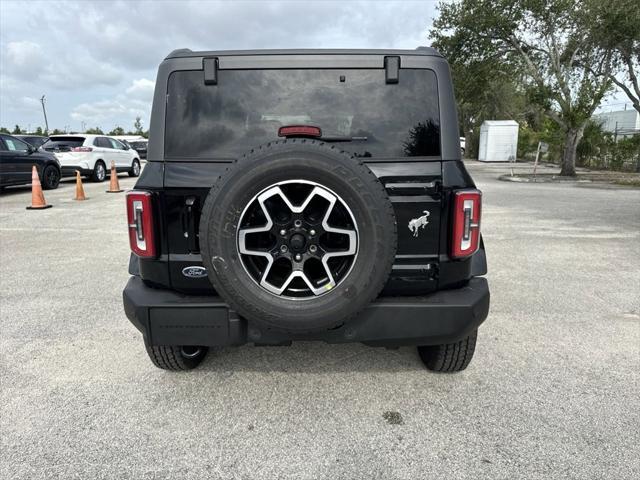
[185, 52]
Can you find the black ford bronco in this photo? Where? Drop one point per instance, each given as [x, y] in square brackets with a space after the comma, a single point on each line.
[305, 195]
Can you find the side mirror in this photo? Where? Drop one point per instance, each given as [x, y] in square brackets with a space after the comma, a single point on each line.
[30, 149]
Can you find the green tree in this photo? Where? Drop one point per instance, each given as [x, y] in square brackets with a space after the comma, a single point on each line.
[94, 131]
[117, 131]
[57, 131]
[616, 26]
[39, 131]
[137, 126]
[547, 44]
[484, 87]
[16, 130]
[4, 130]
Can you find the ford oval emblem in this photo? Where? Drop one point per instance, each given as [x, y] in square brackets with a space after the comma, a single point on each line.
[194, 271]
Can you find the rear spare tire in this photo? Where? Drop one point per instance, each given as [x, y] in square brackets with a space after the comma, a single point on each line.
[298, 235]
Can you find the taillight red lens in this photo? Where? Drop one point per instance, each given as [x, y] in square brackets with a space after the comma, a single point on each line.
[466, 223]
[140, 222]
[299, 130]
[82, 149]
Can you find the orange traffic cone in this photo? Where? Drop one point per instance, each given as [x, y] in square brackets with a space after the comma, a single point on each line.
[37, 197]
[114, 186]
[79, 188]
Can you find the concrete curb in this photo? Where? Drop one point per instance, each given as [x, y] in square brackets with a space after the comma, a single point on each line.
[540, 179]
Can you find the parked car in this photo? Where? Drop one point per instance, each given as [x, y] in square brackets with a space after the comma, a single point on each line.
[92, 155]
[35, 141]
[330, 204]
[17, 159]
[140, 147]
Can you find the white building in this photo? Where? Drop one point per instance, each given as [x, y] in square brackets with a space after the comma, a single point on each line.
[621, 122]
[498, 141]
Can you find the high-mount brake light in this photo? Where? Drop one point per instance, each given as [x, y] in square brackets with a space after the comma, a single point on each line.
[466, 223]
[140, 223]
[299, 130]
[82, 149]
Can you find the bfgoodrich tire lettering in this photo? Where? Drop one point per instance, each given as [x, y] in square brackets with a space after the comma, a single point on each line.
[321, 164]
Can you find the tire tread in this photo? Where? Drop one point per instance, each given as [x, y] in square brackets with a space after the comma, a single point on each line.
[449, 357]
[168, 357]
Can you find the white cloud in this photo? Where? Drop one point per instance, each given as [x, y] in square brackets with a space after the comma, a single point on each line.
[120, 110]
[24, 58]
[141, 89]
[28, 62]
[93, 59]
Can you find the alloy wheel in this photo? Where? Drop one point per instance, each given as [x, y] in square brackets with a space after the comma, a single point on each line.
[297, 239]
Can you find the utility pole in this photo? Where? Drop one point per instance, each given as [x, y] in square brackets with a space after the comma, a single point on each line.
[615, 142]
[44, 111]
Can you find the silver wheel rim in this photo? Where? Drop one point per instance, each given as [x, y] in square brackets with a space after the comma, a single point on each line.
[101, 171]
[136, 168]
[297, 239]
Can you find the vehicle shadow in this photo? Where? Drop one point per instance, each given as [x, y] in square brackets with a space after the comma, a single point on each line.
[21, 189]
[311, 357]
[14, 190]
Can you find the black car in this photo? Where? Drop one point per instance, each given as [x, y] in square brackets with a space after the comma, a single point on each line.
[35, 141]
[140, 147]
[17, 159]
[295, 195]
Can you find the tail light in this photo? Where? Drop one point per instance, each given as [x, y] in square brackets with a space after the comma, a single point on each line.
[299, 130]
[140, 222]
[466, 223]
[82, 149]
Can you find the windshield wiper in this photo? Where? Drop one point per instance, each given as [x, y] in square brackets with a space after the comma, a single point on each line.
[343, 139]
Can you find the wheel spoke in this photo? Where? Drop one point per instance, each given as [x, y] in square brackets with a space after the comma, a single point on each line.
[296, 274]
[243, 232]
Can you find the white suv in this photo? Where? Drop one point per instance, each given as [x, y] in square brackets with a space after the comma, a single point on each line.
[92, 155]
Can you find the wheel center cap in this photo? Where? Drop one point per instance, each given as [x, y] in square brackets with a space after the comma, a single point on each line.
[297, 242]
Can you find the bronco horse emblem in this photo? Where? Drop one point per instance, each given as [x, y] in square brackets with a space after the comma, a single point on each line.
[416, 223]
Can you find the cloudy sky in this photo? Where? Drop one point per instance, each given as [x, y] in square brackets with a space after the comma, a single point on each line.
[96, 60]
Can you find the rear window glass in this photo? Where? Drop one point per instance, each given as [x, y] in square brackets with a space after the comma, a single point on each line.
[34, 141]
[62, 144]
[247, 107]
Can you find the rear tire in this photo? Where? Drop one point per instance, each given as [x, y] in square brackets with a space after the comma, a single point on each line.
[135, 168]
[176, 358]
[99, 173]
[50, 178]
[449, 357]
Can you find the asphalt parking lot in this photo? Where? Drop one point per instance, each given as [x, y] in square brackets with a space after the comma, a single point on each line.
[551, 393]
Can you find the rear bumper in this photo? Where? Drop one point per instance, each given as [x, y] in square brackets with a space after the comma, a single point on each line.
[168, 318]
